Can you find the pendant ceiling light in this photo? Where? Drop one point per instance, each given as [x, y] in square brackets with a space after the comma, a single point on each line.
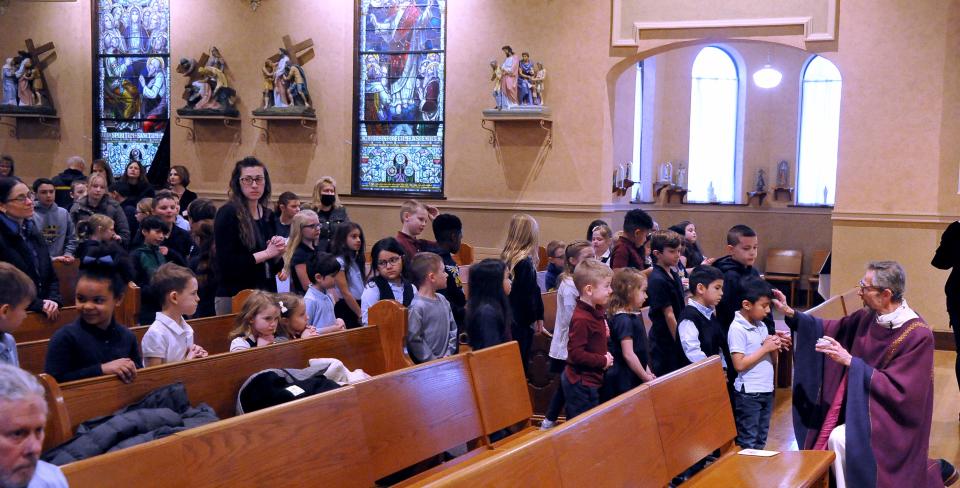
[768, 76]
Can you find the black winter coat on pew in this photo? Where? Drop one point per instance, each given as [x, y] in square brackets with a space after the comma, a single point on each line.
[163, 412]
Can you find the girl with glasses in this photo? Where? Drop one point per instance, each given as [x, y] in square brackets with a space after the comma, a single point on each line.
[386, 279]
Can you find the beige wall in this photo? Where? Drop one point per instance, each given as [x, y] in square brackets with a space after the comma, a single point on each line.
[898, 146]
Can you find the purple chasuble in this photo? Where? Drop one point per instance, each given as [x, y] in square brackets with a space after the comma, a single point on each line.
[888, 406]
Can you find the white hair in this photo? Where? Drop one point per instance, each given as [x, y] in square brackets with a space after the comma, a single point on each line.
[17, 384]
[76, 162]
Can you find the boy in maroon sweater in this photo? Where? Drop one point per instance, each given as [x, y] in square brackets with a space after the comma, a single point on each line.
[587, 355]
[413, 218]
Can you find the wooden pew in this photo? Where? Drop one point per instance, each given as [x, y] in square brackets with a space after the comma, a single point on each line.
[236, 303]
[212, 333]
[216, 379]
[67, 279]
[541, 383]
[694, 416]
[36, 326]
[351, 436]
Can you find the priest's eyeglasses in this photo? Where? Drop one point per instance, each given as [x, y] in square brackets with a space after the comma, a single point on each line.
[865, 287]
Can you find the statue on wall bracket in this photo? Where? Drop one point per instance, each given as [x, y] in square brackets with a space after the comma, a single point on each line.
[208, 90]
[25, 89]
[518, 86]
[285, 91]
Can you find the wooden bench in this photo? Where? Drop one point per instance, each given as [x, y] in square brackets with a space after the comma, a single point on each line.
[351, 436]
[695, 418]
[36, 326]
[212, 333]
[216, 379]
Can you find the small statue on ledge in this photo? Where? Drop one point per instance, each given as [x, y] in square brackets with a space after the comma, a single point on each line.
[285, 91]
[783, 174]
[518, 86]
[24, 86]
[761, 181]
[208, 91]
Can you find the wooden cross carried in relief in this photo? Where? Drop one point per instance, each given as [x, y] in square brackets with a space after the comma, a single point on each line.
[35, 52]
[294, 50]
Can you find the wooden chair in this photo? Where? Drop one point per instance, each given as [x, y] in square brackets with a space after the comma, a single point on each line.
[784, 266]
[813, 281]
[464, 256]
[67, 278]
[542, 258]
[239, 299]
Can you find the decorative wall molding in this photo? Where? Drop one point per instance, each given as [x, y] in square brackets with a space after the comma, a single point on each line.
[893, 218]
[620, 38]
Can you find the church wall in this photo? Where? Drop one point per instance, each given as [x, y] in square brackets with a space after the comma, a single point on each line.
[900, 97]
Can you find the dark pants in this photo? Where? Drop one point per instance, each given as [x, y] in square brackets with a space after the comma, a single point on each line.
[753, 418]
[523, 334]
[954, 313]
[558, 400]
[342, 311]
[579, 397]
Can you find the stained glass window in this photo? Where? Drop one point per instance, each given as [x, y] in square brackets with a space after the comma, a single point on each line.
[132, 88]
[398, 126]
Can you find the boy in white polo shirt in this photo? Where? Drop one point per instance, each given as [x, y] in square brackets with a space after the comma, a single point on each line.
[752, 350]
[170, 339]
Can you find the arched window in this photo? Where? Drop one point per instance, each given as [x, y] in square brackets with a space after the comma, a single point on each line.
[819, 133]
[713, 127]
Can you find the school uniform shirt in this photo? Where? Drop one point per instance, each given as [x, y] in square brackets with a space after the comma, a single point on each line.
[431, 329]
[8, 350]
[354, 277]
[371, 295]
[300, 256]
[567, 298]
[620, 378]
[626, 254]
[78, 349]
[248, 342]
[454, 290]
[319, 308]
[733, 274]
[47, 475]
[664, 290]
[587, 349]
[168, 339]
[746, 337]
[411, 245]
[690, 334]
[487, 328]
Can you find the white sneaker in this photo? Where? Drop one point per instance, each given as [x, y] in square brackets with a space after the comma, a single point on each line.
[547, 424]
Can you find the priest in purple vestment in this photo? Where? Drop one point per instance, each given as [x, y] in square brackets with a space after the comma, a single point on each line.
[863, 387]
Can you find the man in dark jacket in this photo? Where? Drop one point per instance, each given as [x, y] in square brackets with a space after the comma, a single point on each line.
[75, 167]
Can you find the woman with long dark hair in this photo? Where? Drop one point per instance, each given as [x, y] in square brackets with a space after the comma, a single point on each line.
[247, 250]
[488, 315]
[133, 185]
[177, 181]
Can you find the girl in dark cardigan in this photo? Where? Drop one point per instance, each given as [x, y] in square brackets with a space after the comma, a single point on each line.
[519, 253]
[488, 316]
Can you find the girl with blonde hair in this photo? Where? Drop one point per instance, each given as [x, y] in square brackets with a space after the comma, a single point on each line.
[257, 322]
[520, 255]
[330, 211]
[300, 246]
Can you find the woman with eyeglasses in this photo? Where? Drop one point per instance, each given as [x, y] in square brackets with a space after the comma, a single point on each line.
[22, 245]
[247, 249]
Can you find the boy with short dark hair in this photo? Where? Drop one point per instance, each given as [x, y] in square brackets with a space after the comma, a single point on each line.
[737, 265]
[587, 354]
[170, 338]
[556, 254]
[148, 257]
[17, 290]
[322, 268]
[628, 250]
[448, 230]
[701, 334]
[78, 190]
[665, 297]
[54, 222]
[753, 353]
[431, 328]
[413, 220]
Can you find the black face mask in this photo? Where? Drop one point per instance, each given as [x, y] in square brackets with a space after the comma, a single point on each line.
[327, 200]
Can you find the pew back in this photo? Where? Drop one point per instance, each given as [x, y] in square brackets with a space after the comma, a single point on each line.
[214, 380]
[694, 414]
[500, 387]
[67, 279]
[36, 326]
[33, 354]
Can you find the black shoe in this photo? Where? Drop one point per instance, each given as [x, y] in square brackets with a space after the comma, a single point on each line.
[948, 473]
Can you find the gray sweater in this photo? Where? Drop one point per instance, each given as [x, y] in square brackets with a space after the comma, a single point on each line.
[431, 329]
[56, 226]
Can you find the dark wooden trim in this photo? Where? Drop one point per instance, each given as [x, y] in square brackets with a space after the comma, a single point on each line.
[943, 340]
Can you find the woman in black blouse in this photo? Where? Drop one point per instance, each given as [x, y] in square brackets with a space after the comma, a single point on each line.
[948, 257]
[247, 250]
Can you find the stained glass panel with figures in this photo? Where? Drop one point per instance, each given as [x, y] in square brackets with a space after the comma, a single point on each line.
[399, 123]
[132, 87]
